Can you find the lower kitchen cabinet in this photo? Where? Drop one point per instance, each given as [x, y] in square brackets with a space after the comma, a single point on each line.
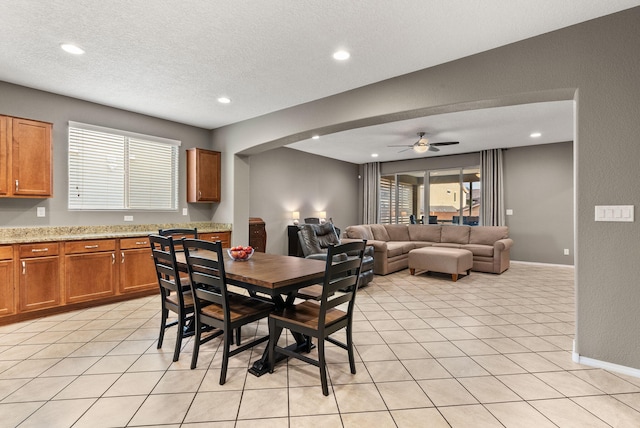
[39, 276]
[90, 270]
[137, 270]
[7, 301]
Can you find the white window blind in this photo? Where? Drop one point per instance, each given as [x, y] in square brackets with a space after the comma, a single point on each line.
[111, 169]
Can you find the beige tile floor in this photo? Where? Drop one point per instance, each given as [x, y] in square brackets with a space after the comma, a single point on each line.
[486, 351]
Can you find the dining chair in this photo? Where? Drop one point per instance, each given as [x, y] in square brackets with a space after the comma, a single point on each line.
[173, 295]
[177, 233]
[224, 311]
[322, 320]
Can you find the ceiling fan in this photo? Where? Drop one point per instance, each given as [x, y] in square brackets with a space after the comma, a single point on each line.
[423, 145]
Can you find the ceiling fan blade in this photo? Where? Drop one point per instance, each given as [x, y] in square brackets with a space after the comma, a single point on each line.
[402, 145]
[432, 148]
[404, 149]
[445, 143]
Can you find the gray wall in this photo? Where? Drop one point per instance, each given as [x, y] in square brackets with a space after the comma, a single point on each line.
[38, 105]
[539, 189]
[596, 64]
[285, 180]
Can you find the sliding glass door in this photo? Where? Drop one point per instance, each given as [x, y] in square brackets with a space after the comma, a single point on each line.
[401, 196]
[454, 196]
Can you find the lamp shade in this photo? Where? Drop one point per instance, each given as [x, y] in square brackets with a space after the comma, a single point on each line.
[295, 215]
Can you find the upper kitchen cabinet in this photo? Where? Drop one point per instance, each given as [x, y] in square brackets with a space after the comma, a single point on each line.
[26, 169]
[203, 176]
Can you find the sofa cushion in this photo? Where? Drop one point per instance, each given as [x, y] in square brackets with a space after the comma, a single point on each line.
[395, 249]
[487, 235]
[397, 232]
[447, 245]
[379, 232]
[362, 231]
[424, 232]
[455, 234]
[479, 250]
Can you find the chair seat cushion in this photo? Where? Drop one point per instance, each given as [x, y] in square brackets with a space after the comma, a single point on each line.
[307, 313]
[240, 307]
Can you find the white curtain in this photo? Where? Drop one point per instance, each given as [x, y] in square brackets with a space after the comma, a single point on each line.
[371, 186]
[492, 187]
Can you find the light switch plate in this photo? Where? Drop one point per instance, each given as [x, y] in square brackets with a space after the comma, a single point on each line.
[509, 212]
[128, 218]
[41, 212]
[185, 211]
[614, 213]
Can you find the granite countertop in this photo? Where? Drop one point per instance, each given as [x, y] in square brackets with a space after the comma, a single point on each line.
[20, 235]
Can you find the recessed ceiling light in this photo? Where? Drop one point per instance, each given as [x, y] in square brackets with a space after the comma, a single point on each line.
[224, 100]
[341, 55]
[315, 137]
[72, 49]
[535, 135]
[374, 155]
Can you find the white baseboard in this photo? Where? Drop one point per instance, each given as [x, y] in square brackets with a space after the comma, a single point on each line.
[518, 262]
[629, 371]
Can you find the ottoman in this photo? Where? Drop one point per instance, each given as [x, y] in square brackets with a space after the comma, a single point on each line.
[441, 259]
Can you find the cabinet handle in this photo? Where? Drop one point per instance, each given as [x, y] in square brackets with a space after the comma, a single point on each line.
[24, 268]
[91, 246]
[122, 257]
[39, 250]
[17, 185]
[113, 258]
[141, 242]
[199, 193]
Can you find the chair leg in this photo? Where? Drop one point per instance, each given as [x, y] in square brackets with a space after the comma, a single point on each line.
[176, 353]
[238, 336]
[323, 366]
[225, 355]
[352, 362]
[196, 343]
[163, 325]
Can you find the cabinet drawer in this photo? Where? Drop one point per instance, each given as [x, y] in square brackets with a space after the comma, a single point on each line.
[139, 242]
[93, 246]
[39, 250]
[6, 252]
[224, 237]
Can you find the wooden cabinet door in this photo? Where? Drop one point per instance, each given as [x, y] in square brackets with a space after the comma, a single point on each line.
[4, 159]
[137, 270]
[7, 302]
[90, 276]
[39, 285]
[203, 175]
[31, 158]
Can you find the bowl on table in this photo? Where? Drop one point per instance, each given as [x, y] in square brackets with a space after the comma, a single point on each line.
[240, 253]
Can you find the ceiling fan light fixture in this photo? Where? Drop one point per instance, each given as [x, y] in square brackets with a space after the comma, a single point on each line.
[420, 148]
[422, 145]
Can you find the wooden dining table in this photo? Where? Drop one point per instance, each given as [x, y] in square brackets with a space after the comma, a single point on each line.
[273, 275]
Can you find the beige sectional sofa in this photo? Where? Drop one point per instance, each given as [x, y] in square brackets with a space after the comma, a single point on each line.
[489, 245]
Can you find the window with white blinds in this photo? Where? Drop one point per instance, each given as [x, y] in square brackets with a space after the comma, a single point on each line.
[111, 169]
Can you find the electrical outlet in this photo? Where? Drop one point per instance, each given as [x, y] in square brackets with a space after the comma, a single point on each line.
[566, 251]
[128, 218]
[41, 212]
[509, 211]
[185, 211]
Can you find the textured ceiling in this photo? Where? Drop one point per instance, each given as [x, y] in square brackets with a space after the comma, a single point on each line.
[173, 59]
